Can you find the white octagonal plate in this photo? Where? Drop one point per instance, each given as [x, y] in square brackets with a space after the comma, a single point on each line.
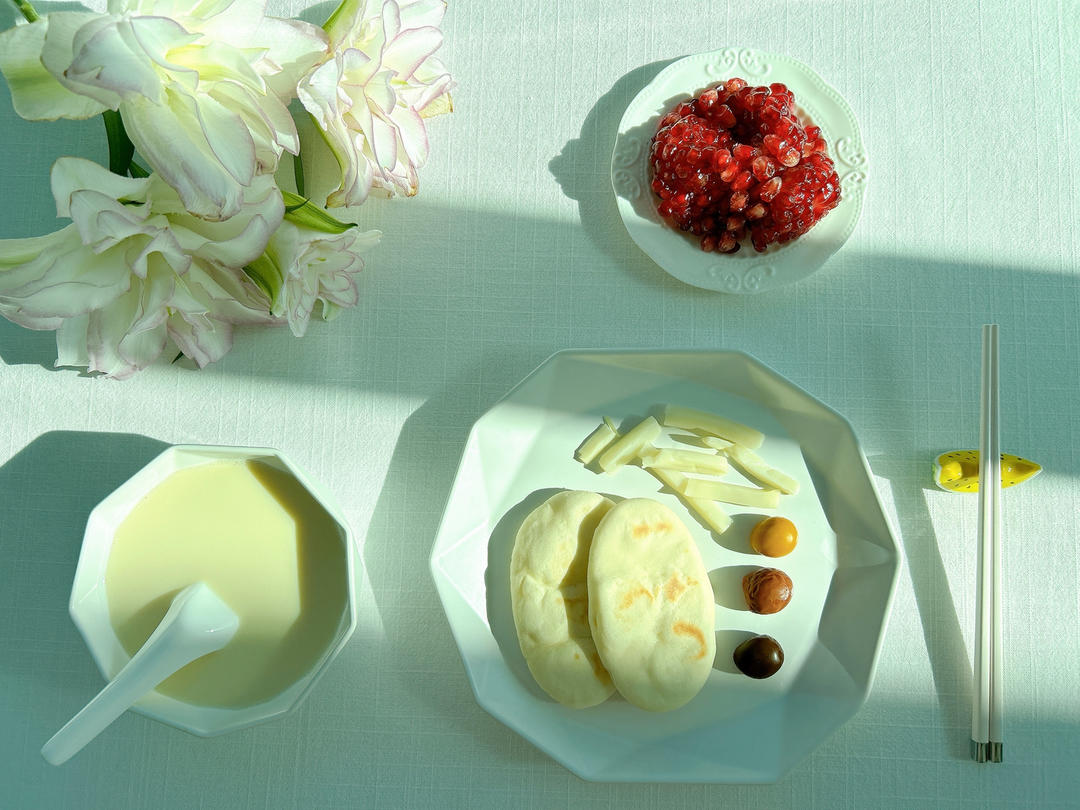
[844, 568]
[680, 254]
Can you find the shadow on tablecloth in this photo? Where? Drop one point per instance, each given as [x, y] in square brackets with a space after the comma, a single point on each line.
[940, 620]
[48, 489]
[424, 664]
[582, 169]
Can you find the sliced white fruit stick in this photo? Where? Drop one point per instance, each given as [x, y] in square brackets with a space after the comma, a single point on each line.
[731, 493]
[690, 419]
[709, 511]
[758, 468]
[685, 461]
[629, 446]
[716, 443]
[692, 439]
[597, 441]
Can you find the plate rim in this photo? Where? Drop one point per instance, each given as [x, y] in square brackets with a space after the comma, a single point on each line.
[759, 274]
[896, 558]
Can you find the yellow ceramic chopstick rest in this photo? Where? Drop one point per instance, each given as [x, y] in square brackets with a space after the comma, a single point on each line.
[958, 470]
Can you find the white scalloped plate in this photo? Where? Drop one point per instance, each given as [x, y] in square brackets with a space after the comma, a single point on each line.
[844, 568]
[746, 271]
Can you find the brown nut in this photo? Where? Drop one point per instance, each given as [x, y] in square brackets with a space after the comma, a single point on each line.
[759, 657]
[767, 590]
[774, 537]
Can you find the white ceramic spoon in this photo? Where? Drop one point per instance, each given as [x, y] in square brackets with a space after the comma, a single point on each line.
[198, 622]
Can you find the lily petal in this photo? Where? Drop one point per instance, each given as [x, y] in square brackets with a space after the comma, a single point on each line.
[35, 93]
[71, 174]
[47, 278]
[71, 342]
[229, 139]
[164, 135]
[410, 48]
[66, 33]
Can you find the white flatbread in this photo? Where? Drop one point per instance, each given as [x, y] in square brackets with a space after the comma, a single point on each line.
[651, 605]
[549, 596]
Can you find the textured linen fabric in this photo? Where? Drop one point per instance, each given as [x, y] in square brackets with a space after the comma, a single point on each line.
[512, 250]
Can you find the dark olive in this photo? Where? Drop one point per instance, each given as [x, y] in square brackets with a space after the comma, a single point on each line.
[759, 657]
[767, 590]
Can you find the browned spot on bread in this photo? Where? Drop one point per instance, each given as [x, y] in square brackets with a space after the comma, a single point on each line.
[686, 629]
[674, 588]
[642, 529]
[631, 595]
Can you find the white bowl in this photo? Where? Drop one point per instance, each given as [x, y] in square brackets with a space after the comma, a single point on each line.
[844, 568]
[89, 605]
[680, 254]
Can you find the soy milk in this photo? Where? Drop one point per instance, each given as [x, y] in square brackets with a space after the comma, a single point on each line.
[266, 547]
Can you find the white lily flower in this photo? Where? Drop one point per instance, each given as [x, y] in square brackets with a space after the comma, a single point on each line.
[303, 265]
[135, 269]
[370, 99]
[202, 87]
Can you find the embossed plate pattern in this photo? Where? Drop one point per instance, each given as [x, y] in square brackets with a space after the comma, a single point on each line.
[746, 271]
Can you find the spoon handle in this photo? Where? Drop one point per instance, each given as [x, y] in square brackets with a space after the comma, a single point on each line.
[169, 648]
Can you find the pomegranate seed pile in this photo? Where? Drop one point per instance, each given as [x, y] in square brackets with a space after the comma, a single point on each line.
[737, 160]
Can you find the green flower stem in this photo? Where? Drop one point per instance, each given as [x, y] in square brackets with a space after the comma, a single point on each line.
[121, 150]
[298, 173]
[27, 10]
[267, 275]
[306, 214]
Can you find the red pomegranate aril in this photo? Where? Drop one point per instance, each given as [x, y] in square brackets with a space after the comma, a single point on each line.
[724, 116]
[742, 182]
[786, 128]
[736, 162]
[763, 168]
[743, 152]
[790, 157]
[721, 158]
[708, 100]
[769, 189]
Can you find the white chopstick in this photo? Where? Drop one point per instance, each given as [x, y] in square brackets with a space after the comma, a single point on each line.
[987, 703]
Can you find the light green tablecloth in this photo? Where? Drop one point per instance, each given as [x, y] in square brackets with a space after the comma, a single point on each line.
[512, 250]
